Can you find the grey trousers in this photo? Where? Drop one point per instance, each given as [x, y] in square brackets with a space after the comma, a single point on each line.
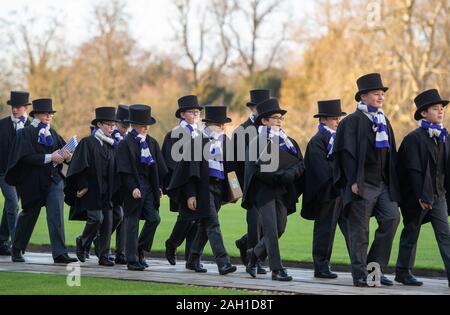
[119, 227]
[182, 230]
[98, 230]
[411, 231]
[55, 221]
[10, 211]
[377, 202]
[254, 229]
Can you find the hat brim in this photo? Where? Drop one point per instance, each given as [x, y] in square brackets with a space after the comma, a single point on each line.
[179, 111]
[269, 113]
[150, 122]
[32, 113]
[251, 104]
[418, 114]
[358, 95]
[323, 115]
[17, 105]
[95, 121]
[225, 121]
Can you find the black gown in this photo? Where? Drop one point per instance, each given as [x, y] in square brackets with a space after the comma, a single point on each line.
[8, 136]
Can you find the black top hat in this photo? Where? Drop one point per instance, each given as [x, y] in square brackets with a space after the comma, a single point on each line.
[427, 99]
[268, 108]
[104, 114]
[187, 103]
[216, 114]
[331, 108]
[141, 115]
[258, 96]
[43, 105]
[19, 99]
[369, 82]
[123, 113]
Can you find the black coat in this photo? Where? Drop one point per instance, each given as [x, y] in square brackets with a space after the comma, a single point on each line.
[350, 151]
[416, 153]
[260, 188]
[240, 165]
[319, 187]
[85, 171]
[27, 169]
[8, 135]
[128, 160]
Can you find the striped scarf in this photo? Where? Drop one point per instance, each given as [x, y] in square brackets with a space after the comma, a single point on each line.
[193, 129]
[100, 136]
[435, 131]
[44, 137]
[215, 162]
[376, 115]
[330, 133]
[285, 143]
[19, 123]
[253, 117]
[117, 135]
[146, 155]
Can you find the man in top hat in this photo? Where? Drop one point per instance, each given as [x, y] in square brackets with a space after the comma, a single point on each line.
[201, 187]
[142, 170]
[423, 171]
[90, 186]
[9, 127]
[274, 193]
[365, 169]
[321, 200]
[189, 115]
[254, 229]
[34, 168]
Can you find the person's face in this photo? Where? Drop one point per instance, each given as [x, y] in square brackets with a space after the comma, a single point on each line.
[45, 118]
[18, 111]
[374, 98]
[217, 128]
[140, 129]
[331, 122]
[254, 110]
[191, 116]
[434, 114]
[123, 128]
[274, 121]
[107, 127]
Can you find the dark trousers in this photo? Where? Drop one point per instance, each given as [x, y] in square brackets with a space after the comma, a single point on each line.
[209, 230]
[10, 211]
[377, 202]
[135, 243]
[254, 229]
[98, 227]
[324, 232]
[119, 227]
[182, 230]
[411, 231]
[273, 217]
[54, 204]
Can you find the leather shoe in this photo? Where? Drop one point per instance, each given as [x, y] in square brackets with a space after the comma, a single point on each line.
[120, 259]
[105, 262]
[361, 283]
[5, 251]
[80, 251]
[142, 260]
[171, 256]
[227, 269]
[326, 275]
[16, 256]
[281, 275]
[242, 251]
[197, 267]
[408, 279]
[386, 282]
[65, 259]
[135, 266]
[260, 269]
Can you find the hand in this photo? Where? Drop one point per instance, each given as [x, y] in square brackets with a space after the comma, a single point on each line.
[137, 194]
[425, 206]
[67, 155]
[355, 189]
[57, 158]
[161, 194]
[82, 192]
[192, 203]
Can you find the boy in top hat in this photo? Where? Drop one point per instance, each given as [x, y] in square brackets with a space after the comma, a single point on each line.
[9, 127]
[90, 186]
[423, 170]
[254, 230]
[201, 188]
[321, 200]
[189, 114]
[365, 169]
[31, 169]
[142, 170]
[274, 194]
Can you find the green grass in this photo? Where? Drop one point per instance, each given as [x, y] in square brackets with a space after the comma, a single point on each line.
[296, 244]
[42, 284]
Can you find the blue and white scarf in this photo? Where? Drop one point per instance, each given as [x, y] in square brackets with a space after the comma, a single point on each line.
[216, 164]
[19, 123]
[117, 135]
[193, 129]
[146, 155]
[100, 136]
[44, 137]
[253, 117]
[435, 131]
[376, 115]
[330, 133]
[285, 143]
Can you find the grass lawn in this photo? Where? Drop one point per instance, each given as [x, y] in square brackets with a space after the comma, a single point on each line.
[41, 284]
[296, 244]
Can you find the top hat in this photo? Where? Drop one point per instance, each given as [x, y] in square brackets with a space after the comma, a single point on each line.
[216, 114]
[104, 114]
[19, 99]
[123, 113]
[141, 115]
[427, 99]
[258, 96]
[331, 108]
[268, 108]
[187, 103]
[369, 82]
[43, 105]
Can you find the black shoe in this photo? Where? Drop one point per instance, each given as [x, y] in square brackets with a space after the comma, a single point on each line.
[5, 250]
[408, 279]
[361, 283]
[111, 258]
[196, 267]
[261, 270]
[281, 275]
[227, 269]
[242, 252]
[135, 266]
[16, 256]
[386, 282]
[142, 260]
[251, 267]
[105, 262]
[325, 275]
[120, 259]
[171, 256]
[65, 259]
[80, 251]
